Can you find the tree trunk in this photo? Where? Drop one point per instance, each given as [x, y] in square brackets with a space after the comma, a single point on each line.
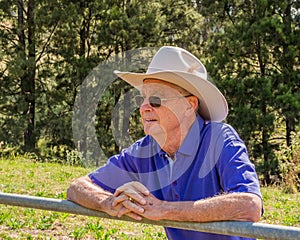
[288, 64]
[28, 78]
[264, 128]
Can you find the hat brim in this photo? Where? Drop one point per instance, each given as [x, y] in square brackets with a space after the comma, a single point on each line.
[213, 105]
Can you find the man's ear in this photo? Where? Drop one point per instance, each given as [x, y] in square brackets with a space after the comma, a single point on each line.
[193, 105]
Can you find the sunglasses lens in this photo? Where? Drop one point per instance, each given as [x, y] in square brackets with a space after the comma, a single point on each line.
[139, 100]
[155, 101]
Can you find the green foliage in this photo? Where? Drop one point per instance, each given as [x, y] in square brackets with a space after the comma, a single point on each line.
[254, 57]
[289, 162]
[70, 39]
[58, 153]
[250, 48]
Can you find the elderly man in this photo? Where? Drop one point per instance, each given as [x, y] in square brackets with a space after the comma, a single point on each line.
[189, 167]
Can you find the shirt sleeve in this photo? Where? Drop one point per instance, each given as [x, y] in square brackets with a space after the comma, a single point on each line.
[237, 173]
[118, 170]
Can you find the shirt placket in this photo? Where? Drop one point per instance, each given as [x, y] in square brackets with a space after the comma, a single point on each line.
[173, 183]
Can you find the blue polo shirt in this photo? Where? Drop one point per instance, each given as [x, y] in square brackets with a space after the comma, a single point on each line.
[212, 160]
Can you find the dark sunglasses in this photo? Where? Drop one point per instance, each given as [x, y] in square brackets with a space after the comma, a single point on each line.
[154, 101]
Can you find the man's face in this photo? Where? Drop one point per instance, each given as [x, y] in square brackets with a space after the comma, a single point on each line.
[168, 119]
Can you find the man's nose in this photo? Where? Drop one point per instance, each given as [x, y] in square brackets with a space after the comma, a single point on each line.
[145, 105]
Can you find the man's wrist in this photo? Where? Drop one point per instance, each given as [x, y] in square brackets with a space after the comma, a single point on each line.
[166, 210]
[106, 205]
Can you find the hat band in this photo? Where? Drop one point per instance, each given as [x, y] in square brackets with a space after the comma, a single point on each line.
[152, 70]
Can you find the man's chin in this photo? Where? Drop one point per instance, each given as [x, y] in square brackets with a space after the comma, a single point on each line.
[157, 133]
[153, 130]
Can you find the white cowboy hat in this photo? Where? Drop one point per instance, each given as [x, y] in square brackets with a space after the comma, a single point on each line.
[178, 66]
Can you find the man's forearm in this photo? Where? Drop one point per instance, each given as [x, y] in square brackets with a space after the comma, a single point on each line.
[235, 207]
[84, 192]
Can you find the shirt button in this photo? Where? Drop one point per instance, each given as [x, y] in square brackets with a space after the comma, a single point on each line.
[176, 197]
[174, 183]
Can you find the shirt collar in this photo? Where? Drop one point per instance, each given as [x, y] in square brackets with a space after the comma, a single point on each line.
[191, 141]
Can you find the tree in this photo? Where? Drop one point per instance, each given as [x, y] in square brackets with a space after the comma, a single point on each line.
[286, 42]
[21, 45]
[242, 44]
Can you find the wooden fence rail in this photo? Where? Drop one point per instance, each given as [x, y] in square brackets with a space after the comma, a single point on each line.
[236, 228]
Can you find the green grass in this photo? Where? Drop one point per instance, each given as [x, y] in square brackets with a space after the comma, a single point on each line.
[281, 208]
[24, 176]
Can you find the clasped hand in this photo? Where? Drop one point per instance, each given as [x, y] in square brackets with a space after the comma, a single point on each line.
[135, 200]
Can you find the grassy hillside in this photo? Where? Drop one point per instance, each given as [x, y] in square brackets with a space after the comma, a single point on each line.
[24, 176]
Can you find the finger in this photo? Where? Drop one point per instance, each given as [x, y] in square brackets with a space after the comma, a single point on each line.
[124, 188]
[131, 196]
[118, 191]
[133, 207]
[123, 211]
[119, 199]
[141, 188]
[134, 216]
[132, 186]
[136, 197]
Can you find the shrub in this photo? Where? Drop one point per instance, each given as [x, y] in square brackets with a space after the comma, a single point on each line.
[289, 164]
